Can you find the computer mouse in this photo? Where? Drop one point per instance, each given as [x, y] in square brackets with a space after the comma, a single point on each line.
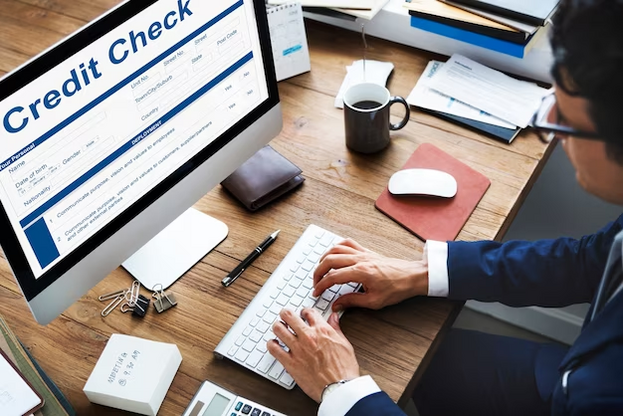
[427, 182]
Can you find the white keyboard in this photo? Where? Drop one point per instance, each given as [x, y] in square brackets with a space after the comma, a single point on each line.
[290, 286]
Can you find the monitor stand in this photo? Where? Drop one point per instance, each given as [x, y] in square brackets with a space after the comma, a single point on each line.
[176, 249]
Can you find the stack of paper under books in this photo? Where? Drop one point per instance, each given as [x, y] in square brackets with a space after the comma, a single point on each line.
[511, 27]
[364, 9]
[55, 403]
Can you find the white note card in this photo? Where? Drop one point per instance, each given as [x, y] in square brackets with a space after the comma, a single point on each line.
[289, 41]
[425, 97]
[488, 90]
[376, 72]
[16, 397]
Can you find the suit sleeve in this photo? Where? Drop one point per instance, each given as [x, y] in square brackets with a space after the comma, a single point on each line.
[549, 273]
[377, 404]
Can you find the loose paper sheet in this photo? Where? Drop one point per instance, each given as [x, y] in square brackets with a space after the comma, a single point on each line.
[376, 72]
[489, 90]
[424, 97]
[16, 397]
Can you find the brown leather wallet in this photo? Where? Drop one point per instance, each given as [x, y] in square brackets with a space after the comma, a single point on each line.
[263, 178]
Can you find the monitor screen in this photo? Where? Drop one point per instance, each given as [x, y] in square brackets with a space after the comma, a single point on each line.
[103, 124]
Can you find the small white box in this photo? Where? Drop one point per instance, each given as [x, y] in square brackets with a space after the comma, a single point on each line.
[133, 374]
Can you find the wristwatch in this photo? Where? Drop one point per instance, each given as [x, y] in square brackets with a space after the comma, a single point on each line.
[330, 387]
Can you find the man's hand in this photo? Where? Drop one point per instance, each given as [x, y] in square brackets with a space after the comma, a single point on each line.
[386, 281]
[319, 353]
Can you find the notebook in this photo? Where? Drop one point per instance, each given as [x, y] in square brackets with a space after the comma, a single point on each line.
[436, 218]
[530, 11]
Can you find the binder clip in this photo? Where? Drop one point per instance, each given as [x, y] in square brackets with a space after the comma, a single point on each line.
[163, 301]
[137, 307]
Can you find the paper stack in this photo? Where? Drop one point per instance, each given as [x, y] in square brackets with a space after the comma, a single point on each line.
[364, 9]
[482, 98]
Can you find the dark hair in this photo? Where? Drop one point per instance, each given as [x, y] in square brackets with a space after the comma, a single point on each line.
[587, 41]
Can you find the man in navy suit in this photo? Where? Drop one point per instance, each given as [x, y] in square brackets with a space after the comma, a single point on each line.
[481, 374]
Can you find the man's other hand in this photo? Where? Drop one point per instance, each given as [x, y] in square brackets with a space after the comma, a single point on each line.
[319, 353]
[386, 281]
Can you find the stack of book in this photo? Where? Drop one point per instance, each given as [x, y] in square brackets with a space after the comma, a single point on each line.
[511, 27]
[346, 9]
[55, 402]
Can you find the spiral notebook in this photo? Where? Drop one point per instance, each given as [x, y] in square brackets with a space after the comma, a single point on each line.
[289, 41]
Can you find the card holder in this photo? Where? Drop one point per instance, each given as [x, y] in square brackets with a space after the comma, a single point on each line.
[266, 176]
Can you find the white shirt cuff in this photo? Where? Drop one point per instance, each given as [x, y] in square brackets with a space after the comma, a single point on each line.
[438, 282]
[342, 399]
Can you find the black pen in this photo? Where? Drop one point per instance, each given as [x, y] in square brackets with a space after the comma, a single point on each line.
[234, 274]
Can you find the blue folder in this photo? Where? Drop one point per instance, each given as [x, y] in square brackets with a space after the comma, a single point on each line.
[497, 45]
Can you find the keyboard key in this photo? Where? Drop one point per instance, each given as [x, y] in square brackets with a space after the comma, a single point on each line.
[246, 409]
[322, 305]
[308, 266]
[335, 288]
[319, 233]
[270, 317]
[308, 303]
[295, 266]
[353, 285]
[319, 250]
[281, 285]
[232, 351]
[261, 313]
[261, 347]
[326, 241]
[300, 259]
[256, 336]
[345, 289]
[254, 358]
[313, 243]
[290, 291]
[287, 379]
[308, 283]
[240, 340]
[273, 295]
[242, 355]
[282, 300]
[294, 284]
[265, 363]
[262, 327]
[301, 274]
[248, 345]
[276, 308]
[295, 302]
[269, 336]
[328, 296]
[302, 292]
[307, 250]
[276, 370]
[247, 331]
[256, 412]
[314, 257]
[254, 321]
[288, 276]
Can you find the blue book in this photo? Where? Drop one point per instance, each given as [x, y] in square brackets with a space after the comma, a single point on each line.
[487, 42]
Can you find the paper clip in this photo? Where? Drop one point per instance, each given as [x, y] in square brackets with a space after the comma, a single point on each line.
[163, 301]
[133, 292]
[112, 305]
[112, 295]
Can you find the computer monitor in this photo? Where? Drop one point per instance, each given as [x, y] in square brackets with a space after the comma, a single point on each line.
[113, 133]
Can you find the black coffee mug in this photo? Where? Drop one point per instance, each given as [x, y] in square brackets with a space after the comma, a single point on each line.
[366, 117]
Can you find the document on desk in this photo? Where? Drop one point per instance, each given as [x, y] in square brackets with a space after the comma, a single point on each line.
[425, 97]
[489, 90]
[375, 72]
[17, 398]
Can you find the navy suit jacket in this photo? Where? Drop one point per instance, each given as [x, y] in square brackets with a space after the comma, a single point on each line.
[549, 273]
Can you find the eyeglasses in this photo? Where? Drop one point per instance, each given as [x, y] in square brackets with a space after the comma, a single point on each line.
[547, 126]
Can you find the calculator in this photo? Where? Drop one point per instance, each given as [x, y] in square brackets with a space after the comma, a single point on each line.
[213, 400]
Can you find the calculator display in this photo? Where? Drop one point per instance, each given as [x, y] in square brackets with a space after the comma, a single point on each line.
[217, 406]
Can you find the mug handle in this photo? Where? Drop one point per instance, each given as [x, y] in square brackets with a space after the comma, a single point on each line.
[400, 100]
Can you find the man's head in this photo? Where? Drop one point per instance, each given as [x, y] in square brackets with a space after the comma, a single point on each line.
[587, 41]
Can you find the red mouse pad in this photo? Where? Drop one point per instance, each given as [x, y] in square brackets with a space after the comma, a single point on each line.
[430, 217]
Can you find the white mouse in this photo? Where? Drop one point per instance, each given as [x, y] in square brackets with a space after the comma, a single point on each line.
[423, 182]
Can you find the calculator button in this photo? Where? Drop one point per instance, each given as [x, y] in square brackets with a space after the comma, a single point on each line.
[239, 406]
[265, 414]
[234, 414]
[246, 409]
[256, 412]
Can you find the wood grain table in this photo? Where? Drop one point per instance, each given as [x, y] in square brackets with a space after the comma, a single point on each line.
[393, 345]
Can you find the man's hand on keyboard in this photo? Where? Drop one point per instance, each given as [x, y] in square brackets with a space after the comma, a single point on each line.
[318, 352]
[385, 281]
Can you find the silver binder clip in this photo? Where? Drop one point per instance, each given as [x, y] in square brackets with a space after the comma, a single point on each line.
[163, 301]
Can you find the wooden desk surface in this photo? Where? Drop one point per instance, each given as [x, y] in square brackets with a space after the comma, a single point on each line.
[339, 194]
